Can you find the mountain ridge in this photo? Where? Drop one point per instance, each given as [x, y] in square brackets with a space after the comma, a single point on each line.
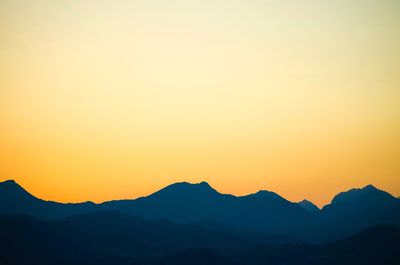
[262, 212]
[369, 187]
[309, 206]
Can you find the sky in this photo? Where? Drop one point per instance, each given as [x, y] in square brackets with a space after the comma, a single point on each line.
[104, 100]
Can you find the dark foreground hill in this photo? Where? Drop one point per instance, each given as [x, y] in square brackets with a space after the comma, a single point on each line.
[28, 241]
[377, 245]
[111, 238]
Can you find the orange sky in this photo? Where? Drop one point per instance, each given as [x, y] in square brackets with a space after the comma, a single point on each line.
[104, 100]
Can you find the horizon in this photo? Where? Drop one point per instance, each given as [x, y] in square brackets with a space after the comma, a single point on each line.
[102, 100]
[199, 183]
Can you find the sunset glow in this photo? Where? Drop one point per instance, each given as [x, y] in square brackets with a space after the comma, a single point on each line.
[104, 100]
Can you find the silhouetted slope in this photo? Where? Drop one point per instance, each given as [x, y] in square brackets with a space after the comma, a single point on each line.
[309, 206]
[187, 203]
[182, 202]
[190, 191]
[110, 238]
[378, 245]
[264, 212]
[368, 197]
[101, 234]
[14, 200]
[355, 210]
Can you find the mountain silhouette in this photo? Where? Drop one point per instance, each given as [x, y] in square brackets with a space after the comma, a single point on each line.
[309, 206]
[264, 216]
[187, 203]
[355, 210]
[185, 190]
[15, 200]
[369, 196]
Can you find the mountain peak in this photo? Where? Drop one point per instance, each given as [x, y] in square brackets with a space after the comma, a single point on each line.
[11, 185]
[368, 193]
[184, 184]
[308, 206]
[265, 194]
[11, 192]
[8, 182]
[186, 189]
[369, 187]
[203, 183]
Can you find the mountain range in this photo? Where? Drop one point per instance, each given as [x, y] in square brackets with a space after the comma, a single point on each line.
[195, 224]
[264, 212]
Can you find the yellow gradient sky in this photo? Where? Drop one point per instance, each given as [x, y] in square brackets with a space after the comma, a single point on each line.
[103, 100]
